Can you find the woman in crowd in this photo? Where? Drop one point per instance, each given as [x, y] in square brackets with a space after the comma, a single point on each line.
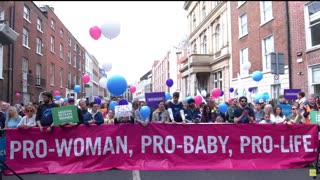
[109, 119]
[295, 117]
[13, 118]
[277, 116]
[29, 120]
[160, 115]
[207, 116]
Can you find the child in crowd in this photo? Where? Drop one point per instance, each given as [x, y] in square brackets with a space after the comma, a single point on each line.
[266, 119]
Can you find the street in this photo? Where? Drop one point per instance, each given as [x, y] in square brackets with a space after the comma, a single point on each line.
[293, 174]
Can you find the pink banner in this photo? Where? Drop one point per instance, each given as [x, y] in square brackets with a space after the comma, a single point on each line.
[161, 147]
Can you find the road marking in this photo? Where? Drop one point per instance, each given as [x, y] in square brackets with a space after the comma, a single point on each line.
[136, 175]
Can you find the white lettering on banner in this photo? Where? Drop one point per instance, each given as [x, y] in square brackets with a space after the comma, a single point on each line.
[295, 143]
[78, 146]
[211, 145]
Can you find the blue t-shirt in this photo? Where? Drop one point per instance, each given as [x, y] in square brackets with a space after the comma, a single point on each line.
[44, 114]
[238, 111]
[176, 110]
[13, 123]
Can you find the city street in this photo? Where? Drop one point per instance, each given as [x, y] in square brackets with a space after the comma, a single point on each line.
[293, 174]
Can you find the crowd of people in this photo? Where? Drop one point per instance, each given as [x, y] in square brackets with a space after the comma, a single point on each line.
[171, 111]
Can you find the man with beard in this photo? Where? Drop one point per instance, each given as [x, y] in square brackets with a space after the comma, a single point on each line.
[44, 114]
[175, 109]
[311, 106]
[243, 114]
[192, 113]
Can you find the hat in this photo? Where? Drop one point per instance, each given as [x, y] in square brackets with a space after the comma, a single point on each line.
[261, 101]
[70, 100]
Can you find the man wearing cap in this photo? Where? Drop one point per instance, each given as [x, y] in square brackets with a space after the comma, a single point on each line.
[175, 109]
[192, 113]
[243, 114]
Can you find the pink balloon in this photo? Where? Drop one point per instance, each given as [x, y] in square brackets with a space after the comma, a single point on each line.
[216, 92]
[18, 94]
[56, 93]
[95, 32]
[230, 100]
[197, 100]
[132, 89]
[86, 78]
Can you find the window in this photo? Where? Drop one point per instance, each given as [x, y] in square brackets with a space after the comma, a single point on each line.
[52, 74]
[53, 24]
[75, 79]
[1, 61]
[38, 75]
[25, 69]
[240, 3]
[39, 25]
[275, 91]
[69, 42]
[69, 80]
[204, 45]
[195, 48]
[243, 60]
[75, 47]
[312, 20]
[69, 56]
[61, 51]
[266, 11]
[267, 47]
[243, 26]
[217, 80]
[61, 33]
[52, 44]
[217, 38]
[194, 21]
[204, 13]
[315, 73]
[39, 46]
[75, 61]
[25, 37]
[1, 14]
[61, 76]
[26, 13]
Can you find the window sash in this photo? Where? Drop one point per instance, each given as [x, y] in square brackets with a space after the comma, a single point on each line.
[26, 13]
[25, 37]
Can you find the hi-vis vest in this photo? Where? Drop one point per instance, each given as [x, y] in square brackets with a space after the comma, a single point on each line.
[308, 109]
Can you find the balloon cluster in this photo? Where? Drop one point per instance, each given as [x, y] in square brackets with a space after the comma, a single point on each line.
[109, 29]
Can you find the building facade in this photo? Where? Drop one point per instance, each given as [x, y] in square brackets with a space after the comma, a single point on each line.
[304, 29]
[160, 74]
[259, 28]
[208, 47]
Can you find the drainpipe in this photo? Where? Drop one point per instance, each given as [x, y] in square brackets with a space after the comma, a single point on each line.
[289, 44]
[10, 59]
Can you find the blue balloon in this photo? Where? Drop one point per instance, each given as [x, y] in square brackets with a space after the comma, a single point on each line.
[260, 98]
[117, 85]
[223, 107]
[66, 99]
[123, 102]
[145, 112]
[77, 88]
[187, 99]
[57, 97]
[168, 96]
[103, 73]
[97, 100]
[257, 76]
[113, 104]
[169, 82]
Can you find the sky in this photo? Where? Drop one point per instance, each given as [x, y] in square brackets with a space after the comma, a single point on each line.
[148, 30]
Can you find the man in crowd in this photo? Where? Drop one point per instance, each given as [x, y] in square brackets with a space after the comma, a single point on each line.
[192, 114]
[175, 109]
[311, 106]
[243, 114]
[44, 114]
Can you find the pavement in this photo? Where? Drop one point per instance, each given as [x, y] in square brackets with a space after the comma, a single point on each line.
[292, 174]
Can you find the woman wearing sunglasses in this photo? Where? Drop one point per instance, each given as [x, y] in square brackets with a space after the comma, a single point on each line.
[295, 117]
[29, 120]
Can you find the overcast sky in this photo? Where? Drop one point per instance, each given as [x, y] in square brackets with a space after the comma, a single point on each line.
[148, 31]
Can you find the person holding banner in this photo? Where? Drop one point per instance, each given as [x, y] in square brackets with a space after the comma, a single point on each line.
[44, 114]
[207, 116]
[311, 106]
[175, 109]
[243, 114]
[192, 113]
[277, 116]
[109, 119]
[28, 120]
[295, 117]
[86, 115]
[96, 116]
[13, 118]
[160, 115]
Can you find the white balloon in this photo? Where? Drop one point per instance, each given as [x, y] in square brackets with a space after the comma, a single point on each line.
[203, 93]
[246, 66]
[107, 66]
[110, 29]
[61, 100]
[103, 82]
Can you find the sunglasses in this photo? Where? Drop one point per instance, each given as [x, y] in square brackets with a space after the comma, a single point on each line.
[293, 108]
[29, 111]
[243, 101]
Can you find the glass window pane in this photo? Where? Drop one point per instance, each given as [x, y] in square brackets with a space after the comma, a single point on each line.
[316, 75]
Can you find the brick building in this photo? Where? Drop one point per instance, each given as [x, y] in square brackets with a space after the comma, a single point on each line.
[258, 28]
[304, 19]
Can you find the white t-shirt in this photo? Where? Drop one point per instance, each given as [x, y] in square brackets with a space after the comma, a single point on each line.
[277, 119]
[28, 121]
